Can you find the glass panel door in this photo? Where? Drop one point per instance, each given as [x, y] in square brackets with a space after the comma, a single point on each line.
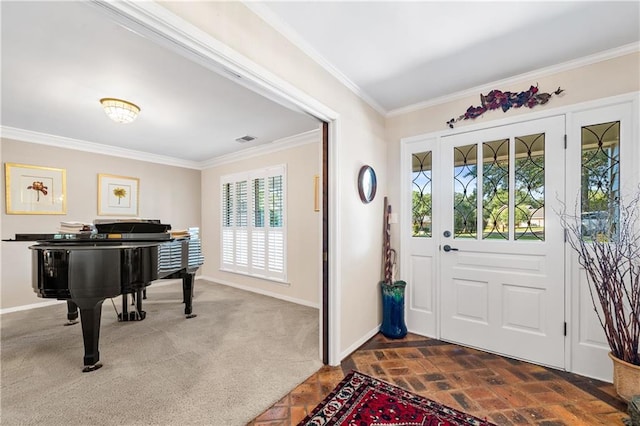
[502, 252]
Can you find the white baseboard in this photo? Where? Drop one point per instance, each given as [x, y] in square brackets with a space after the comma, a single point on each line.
[31, 306]
[360, 342]
[260, 291]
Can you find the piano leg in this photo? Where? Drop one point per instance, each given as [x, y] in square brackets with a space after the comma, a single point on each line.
[138, 314]
[138, 297]
[187, 294]
[90, 319]
[124, 315]
[72, 313]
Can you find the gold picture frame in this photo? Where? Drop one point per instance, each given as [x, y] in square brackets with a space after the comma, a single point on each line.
[118, 195]
[35, 189]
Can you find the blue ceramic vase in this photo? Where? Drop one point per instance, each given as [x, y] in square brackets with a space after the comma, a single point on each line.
[393, 325]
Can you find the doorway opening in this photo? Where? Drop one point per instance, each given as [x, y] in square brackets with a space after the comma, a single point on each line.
[188, 42]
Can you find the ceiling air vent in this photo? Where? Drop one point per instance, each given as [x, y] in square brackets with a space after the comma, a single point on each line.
[246, 138]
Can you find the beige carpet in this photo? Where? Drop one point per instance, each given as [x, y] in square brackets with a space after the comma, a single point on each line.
[242, 353]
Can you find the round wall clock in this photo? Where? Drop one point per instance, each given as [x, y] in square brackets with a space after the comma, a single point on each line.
[367, 184]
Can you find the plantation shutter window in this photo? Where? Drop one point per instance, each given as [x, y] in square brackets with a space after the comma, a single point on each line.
[241, 232]
[276, 234]
[258, 241]
[253, 223]
[227, 224]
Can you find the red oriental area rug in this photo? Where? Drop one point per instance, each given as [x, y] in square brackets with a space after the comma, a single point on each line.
[361, 400]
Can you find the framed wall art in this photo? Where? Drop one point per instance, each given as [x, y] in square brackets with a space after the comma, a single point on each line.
[35, 189]
[117, 195]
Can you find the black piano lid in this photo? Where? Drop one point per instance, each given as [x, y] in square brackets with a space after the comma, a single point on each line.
[133, 227]
[132, 230]
[112, 238]
[88, 238]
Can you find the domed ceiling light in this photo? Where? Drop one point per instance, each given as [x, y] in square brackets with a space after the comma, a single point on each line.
[119, 110]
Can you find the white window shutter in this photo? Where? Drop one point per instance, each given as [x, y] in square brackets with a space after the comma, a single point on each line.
[253, 223]
[276, 253]
[227, 248]
[242, 249]
[258, 250]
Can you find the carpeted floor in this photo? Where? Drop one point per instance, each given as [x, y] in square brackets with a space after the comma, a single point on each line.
[239, 356]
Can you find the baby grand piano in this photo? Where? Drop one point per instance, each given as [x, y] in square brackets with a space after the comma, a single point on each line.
[122, 258]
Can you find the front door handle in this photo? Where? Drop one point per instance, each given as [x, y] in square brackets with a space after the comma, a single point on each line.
[448, 248]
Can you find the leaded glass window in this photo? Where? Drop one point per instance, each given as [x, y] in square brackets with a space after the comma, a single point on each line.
[529, 214]
[507, 186]
[495, 189]
[600, 187]
[421, 194]
[465, 187]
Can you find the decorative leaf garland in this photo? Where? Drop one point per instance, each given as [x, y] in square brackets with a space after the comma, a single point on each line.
[506, 100]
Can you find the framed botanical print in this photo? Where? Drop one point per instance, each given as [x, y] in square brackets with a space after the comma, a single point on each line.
[117, 195]
[35, 189]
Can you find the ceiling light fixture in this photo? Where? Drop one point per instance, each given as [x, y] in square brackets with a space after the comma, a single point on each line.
[120, 111]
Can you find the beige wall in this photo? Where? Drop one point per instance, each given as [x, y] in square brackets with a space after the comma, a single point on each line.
[171, 194]
[360, 140]
[303, 224]
[599, 80]
[363, 137]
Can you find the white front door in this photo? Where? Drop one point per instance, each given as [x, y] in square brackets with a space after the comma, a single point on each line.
[501, 240]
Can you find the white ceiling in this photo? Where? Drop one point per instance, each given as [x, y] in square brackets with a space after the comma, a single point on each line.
[60, 58]
[400, 53]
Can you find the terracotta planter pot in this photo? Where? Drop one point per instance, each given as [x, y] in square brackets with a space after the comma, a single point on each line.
[626, 378]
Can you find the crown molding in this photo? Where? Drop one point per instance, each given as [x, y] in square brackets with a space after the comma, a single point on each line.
[542, 72]
[290, 34]
[275, 22]
[23, 135]
[275, 146]
[289, 142]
